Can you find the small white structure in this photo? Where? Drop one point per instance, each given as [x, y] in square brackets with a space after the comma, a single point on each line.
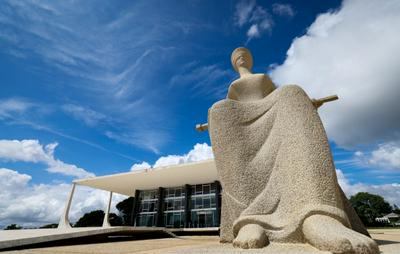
[388, 217]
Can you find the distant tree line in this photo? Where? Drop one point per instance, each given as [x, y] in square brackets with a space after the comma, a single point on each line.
[370, 206]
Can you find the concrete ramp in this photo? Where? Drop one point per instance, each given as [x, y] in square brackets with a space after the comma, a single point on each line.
[10, 239]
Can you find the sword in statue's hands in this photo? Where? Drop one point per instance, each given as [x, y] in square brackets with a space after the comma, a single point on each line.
[316, 102]
[202, 127]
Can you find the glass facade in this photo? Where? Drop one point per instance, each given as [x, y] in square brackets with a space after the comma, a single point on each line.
[174, 207]
[203, 206]
[185, 206]
[148, 208]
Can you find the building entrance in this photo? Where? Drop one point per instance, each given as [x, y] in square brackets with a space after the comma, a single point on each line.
[203, 219]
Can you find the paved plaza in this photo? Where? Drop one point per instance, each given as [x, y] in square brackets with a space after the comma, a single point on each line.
[388, 240]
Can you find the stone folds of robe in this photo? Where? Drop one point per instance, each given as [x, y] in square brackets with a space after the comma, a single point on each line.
[275, 166]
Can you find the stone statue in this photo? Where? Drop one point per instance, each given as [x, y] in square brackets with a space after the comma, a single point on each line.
[276, 168]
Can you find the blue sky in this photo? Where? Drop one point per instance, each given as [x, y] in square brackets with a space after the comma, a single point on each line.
[94, 88]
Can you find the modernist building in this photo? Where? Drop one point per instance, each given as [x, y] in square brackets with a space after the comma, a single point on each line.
[179, 196]
[182, 206]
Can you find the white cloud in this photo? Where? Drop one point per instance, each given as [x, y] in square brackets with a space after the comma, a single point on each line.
[391, 192]
[140, 166]
[243, 10]
[23, 112]
[88, 116]
[283, 10]
[33, 205]
[351, 52]
[261, 17]
[204, 80]
[32, 151]
[108, 66]
[253, 31]
[386, 156]
[200, 152]
[148, 139]
[13, 106]
[247, 12]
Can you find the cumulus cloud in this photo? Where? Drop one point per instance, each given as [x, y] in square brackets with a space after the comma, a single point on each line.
[391, 192]
[283, 10]
[140, 166]
[386, 156]
[200, 152]
[33, 205]
[31, 150]
[351, 52]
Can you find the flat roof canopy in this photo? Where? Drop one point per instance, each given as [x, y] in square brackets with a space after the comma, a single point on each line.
[170, 176]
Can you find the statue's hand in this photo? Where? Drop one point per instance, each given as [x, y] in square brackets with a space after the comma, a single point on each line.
[317, 103]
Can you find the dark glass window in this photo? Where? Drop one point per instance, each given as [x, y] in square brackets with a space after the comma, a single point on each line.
[177, 204]
[206, 189]
[199, 189]
[145, 207]
[213, 188]
[199, 203]
[206, 202]
[213, 205]
[145, 220]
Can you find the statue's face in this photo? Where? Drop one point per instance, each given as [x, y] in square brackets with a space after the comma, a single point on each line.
[243, 60]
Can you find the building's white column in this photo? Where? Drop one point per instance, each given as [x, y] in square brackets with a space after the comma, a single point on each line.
[106, 222]
[64, 221]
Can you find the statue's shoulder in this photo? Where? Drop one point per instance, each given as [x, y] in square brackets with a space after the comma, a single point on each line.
[224, 103]
[255, 79]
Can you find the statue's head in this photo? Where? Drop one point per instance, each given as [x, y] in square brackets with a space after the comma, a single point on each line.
[241, 57]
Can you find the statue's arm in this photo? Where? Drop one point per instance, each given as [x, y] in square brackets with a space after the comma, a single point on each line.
[268, 85]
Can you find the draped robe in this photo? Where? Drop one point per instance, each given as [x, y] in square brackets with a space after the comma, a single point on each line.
[275, 166]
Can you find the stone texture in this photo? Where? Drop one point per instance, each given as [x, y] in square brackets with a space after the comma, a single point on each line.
[23, 237]
[388, 239]
[276, 168]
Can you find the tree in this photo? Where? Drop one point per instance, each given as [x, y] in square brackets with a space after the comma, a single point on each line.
[53, 225]
[95, 219]
[396, 209]
[369, 206]
[125, 207]
[13, 227]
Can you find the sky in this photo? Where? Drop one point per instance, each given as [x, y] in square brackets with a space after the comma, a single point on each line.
[91, 88]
